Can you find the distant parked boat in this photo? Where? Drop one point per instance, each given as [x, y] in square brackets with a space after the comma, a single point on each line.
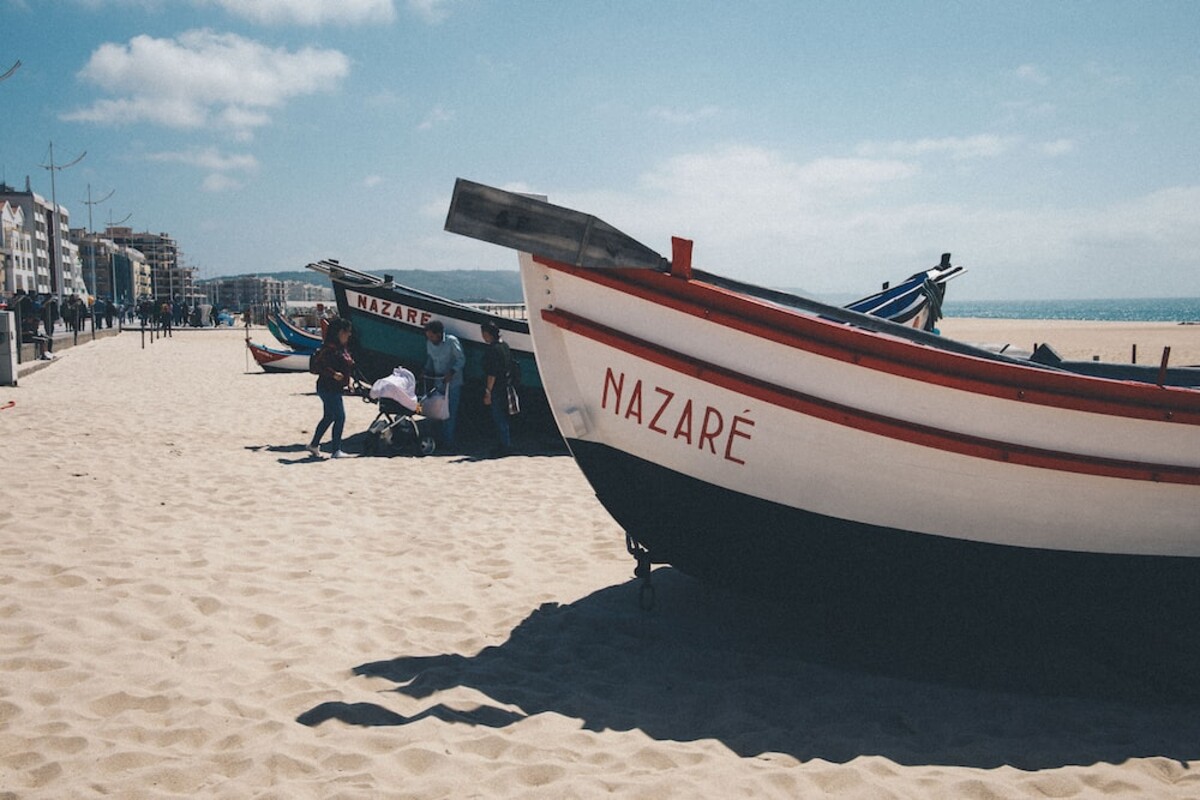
[291, 335]
[272, 360]
[389, 320]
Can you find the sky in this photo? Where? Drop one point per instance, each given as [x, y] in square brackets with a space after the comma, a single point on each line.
[1053, 148]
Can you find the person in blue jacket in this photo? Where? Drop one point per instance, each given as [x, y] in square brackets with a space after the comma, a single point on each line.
[445, 361]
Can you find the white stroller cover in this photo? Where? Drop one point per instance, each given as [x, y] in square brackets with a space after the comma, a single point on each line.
[400, 386]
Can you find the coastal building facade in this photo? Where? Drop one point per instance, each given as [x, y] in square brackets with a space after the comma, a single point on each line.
[245, 291]
[304, 292]
[171, 280]
[16, 252]
[52, 274]
[120, 272]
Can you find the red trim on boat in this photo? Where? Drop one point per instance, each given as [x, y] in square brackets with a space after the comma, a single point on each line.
[871, 422]
[897, 356]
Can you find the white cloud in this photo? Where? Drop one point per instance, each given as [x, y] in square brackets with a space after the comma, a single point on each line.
[371, 181]
[203, 78]
[219, 182]
[432, 11]
[680, 116]
[1106, 74]
[752, 211]
[208, 158]
[1030, 73]
[217, 164]
[1058, 147]
[310, 12]
[434, 118]
[956, 147]
[844, 225]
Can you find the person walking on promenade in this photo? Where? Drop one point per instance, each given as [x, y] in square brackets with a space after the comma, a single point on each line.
[497, 367]
[50, 316]
[445, 360]
[333, 364]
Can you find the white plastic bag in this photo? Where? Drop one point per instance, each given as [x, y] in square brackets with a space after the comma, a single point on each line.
[436, 406]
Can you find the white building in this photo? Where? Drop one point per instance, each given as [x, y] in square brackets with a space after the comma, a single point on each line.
[16, 251]
[56, 265]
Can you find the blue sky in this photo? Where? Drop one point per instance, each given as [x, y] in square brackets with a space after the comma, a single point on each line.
[1054, 148]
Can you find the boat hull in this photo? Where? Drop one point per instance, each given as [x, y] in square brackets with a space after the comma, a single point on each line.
[272, 360]
[289, 335]
[389, 331]
[743, 542]
[807, 439]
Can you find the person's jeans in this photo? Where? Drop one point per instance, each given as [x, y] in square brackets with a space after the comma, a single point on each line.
[499, 407]
[335, 415]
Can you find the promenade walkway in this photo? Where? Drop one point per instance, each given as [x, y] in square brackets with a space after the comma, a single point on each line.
[63, 340]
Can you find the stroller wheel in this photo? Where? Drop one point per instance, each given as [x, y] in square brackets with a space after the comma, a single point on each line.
[428, 445]
[371, 444]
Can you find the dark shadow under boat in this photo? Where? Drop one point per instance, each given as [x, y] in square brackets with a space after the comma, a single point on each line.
[941, 683]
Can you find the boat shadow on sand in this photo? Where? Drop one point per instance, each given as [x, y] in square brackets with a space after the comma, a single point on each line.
[834, 679]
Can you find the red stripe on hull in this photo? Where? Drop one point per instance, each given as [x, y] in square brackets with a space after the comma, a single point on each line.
[894, 356]
[870, 422]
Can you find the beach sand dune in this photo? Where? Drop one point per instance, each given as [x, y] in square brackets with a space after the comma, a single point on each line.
[190, 606]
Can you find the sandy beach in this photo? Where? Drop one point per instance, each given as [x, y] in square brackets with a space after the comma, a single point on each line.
[192, 607]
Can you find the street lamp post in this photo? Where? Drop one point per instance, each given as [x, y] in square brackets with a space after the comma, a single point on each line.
[56, 251]
[92, 251]
[112, 262]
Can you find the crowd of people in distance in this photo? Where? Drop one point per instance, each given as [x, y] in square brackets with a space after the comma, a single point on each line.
[41, 315]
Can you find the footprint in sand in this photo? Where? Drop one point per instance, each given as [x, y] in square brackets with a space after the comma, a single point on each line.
[208, 605]
[121, 702]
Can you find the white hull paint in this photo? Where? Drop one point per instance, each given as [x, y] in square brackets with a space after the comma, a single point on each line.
[1079, 500]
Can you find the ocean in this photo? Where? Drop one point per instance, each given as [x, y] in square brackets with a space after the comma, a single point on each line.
[1170, 309]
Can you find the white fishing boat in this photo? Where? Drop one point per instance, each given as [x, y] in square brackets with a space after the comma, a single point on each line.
[755, 438]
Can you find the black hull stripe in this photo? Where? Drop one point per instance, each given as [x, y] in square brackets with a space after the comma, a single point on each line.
[717, 534]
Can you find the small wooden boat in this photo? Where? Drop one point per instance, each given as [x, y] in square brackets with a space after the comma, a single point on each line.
[291, 335]
[272, 360]
[766, 441]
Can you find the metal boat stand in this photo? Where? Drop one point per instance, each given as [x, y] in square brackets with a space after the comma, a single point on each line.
[646, 595]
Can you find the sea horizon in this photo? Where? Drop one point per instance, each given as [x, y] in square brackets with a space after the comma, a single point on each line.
[1165, 309]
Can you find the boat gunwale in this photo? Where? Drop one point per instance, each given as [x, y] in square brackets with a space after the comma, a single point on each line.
[460, 310]
[917, 358]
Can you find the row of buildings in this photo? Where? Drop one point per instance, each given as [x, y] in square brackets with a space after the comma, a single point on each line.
[249, 290]
[41, 253]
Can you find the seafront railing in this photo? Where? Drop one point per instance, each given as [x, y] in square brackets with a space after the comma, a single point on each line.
[506, 310]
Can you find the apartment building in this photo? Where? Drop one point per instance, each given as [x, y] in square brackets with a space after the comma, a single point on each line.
[16, 251]
[171, 280]
[121, 273]
[245, 291]
[36, 215]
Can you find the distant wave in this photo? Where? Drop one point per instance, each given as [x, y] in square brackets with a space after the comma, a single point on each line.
[1172, 309]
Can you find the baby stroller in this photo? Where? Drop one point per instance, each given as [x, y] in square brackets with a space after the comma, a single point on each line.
[395, 427]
